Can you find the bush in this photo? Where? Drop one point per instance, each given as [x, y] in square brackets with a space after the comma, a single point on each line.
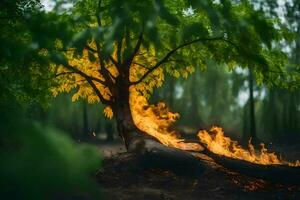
[43, 163]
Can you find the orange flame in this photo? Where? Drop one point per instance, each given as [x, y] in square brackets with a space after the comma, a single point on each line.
[218, 143]
[157, 121]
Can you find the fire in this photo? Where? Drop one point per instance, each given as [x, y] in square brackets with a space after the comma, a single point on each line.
[157, 121]
[218, 143]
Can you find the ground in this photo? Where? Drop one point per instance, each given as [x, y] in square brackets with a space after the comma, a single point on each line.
[121, 178]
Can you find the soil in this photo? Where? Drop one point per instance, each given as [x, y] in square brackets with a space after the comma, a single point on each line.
[123, 179]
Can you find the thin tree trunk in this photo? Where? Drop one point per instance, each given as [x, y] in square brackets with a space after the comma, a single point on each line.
[246, 123]
[196, 118]
[171, 92]
[85, 119]
[252, 108]
[109, 131]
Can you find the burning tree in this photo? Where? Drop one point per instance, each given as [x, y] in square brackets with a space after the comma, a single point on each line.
[120, 51]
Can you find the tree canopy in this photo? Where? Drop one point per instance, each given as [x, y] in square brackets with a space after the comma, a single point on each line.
[114, 40]
[105, 50]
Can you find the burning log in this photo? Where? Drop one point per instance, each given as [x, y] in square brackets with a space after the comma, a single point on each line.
[154, 155]
[151, 154]
[171, 152]
[275, 173]
[261, 164]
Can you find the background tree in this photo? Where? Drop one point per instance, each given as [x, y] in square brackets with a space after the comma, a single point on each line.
[280, 108]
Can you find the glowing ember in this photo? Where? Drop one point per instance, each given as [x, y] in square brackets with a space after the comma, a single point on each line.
[218, 143]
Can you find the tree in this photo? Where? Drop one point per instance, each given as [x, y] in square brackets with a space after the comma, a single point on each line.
[252, 108]
[125, 47]
[280, 106]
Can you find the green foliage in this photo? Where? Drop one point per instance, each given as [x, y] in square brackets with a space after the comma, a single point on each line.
[250, 32]
[42, 163]
[238, 35]
[26, 35]
[36, 162]
[20, 62]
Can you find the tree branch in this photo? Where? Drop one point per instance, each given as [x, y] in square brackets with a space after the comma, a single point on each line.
[136, 49]
[90, 49]
[98, 16]
[105, 73]
[139, 64]
[231, 43]
[170, 53]
[90, 80]
[77, 71]
[114, 62]
[102, 99]
[110, 57]
[119, 49]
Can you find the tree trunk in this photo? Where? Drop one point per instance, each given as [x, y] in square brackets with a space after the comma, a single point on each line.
[123, 116]
[109, 131]
[125, 125]
[132, 136]
[154, 155]
[274, 173]
[246, 124]
[85, 119]
[252, 108]
[196, 118]
[171, 92]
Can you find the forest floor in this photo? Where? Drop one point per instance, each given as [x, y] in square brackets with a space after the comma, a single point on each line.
[122, 179]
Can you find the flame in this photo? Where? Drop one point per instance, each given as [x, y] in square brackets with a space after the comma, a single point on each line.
[218, 143]
[157, 121]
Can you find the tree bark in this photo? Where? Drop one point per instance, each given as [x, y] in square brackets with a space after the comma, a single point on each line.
[125, 125]
[154, 155]
[122, 112]
[274, 173]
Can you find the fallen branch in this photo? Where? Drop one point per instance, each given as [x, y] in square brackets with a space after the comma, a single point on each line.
[283, 174]
[154, 155]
